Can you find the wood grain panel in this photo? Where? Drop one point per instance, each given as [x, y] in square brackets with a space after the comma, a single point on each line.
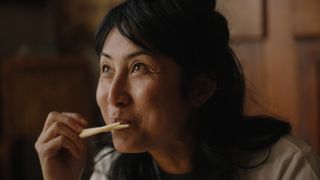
[246, 18]
[34, 87]
[309, 90]
[318, 106]
[250, 55]
[306, 15]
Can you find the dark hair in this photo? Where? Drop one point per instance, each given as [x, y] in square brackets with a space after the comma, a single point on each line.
[197, 37]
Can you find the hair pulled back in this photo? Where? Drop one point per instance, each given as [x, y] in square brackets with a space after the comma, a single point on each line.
[197, 37]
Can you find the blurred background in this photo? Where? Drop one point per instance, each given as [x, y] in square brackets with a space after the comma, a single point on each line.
[48, 63]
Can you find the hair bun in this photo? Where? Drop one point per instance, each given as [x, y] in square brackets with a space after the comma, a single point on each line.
[199, 6]
[210, 3]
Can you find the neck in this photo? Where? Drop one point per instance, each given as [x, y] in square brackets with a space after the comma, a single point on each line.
[174, 159]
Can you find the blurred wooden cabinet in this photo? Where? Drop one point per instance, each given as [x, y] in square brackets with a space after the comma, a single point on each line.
[306, 32]
[278, 43]
[306, 15]
[246, 18]
[309, 89]
[318, 106]
[31, 88]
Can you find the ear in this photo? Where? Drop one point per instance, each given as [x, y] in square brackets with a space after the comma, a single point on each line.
[203, 88]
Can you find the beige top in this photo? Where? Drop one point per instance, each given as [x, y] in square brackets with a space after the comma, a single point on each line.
[290, 159]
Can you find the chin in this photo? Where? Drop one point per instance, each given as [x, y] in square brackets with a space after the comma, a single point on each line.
[126, 145]
[127, 149]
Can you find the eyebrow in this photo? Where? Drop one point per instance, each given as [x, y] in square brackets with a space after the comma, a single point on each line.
[130, 55]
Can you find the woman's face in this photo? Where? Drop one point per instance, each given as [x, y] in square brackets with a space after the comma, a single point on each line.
[142, 89]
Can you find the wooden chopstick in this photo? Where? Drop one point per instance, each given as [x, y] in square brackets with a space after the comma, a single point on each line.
[93, 131]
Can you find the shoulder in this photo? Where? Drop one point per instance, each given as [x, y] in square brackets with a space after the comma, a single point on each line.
[296, 155]
[102, 163]
[290, 159]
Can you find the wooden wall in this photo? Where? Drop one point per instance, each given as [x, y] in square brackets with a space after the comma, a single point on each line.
[280, 51]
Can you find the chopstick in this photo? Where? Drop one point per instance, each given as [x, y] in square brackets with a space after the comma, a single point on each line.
[93, 131]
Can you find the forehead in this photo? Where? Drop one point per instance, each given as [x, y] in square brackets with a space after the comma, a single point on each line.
[117, 43]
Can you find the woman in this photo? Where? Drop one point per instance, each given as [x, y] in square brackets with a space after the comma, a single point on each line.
[167, 69]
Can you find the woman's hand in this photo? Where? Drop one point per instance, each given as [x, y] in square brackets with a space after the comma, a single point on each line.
[61, 152]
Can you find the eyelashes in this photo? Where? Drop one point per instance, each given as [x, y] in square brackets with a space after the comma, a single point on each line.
[139, 67]
[136, 68]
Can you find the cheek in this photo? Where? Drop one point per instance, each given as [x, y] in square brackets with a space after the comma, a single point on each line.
[164, 95]
[102, 94]
[150, 97]
[161, 106]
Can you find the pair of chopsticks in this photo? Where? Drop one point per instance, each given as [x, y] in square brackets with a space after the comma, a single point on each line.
[93, 131]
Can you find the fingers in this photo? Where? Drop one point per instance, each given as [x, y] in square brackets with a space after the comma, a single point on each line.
[55, 145]
[72, 120]
[61, 132]
[77, 117]
[58, 129]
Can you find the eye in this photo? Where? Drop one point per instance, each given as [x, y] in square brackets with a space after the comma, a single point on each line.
[105, 69]
[139, 67]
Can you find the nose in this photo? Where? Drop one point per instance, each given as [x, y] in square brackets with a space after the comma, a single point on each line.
[119, 95]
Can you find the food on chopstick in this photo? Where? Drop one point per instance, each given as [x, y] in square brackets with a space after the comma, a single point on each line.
[93, 131]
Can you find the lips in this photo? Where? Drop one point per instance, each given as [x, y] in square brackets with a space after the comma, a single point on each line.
[125, 121]
[122, 121]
